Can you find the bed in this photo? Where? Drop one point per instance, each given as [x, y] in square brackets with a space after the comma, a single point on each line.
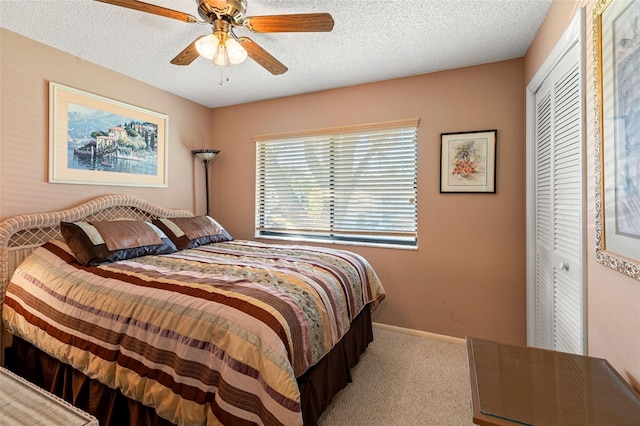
[217, 331]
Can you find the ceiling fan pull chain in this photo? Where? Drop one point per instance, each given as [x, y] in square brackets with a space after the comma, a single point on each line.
[224, 76]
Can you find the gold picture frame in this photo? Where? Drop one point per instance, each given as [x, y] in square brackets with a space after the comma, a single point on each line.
[617, 134]
[94, 140]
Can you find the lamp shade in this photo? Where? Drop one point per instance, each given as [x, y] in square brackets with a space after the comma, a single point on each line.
[221, 58]
[237, 54]
[205, 154]
[207, 46]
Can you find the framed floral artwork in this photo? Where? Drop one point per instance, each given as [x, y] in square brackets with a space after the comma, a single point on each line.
[468, 161]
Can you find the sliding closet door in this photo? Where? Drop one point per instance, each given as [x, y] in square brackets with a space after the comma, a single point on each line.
[555, 273]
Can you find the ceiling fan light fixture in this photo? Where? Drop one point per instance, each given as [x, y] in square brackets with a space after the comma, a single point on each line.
[207, 46]
[221, 58]
[237, 54]
[223, 47]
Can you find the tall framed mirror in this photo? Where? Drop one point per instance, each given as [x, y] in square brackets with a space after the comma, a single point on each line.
[616, 29]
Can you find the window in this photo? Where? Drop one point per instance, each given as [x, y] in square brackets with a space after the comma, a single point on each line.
[355, 184]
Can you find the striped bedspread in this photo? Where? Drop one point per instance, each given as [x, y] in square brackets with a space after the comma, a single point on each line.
[213, 335]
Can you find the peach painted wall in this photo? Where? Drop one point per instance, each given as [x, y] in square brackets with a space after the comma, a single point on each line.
[468, 275]
[613, 299]
[26, 67]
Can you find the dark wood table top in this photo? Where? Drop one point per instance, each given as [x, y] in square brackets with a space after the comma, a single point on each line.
[516, 385]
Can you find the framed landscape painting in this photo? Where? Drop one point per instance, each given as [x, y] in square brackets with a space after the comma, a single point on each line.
[94, 140]
[468, 161]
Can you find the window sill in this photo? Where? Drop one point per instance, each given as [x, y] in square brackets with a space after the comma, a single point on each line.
[334, 242]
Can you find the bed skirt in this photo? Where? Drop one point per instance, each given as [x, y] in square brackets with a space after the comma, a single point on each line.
[317, 385]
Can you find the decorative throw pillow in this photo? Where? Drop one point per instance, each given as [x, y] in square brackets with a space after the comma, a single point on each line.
[190, 232]
[95, 243]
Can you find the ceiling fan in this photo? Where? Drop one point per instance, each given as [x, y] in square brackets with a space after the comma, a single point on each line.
[222, 46]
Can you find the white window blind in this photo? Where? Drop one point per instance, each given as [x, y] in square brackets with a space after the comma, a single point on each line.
[351, 184]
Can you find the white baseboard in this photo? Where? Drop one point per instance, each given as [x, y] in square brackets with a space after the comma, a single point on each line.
[420, 333]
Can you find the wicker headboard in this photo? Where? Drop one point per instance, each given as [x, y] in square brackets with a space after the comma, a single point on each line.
[20, 235]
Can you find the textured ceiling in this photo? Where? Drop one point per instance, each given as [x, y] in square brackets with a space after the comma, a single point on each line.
[372, 40]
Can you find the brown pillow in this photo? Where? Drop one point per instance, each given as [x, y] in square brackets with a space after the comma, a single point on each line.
[190, 232]
[122, 234]
[94, 243]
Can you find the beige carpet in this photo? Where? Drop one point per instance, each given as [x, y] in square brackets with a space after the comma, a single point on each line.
[405, 380]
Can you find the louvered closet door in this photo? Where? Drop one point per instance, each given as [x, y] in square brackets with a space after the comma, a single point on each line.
[558, 207]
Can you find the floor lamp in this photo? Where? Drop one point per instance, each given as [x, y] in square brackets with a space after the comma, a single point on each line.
[206, 155]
